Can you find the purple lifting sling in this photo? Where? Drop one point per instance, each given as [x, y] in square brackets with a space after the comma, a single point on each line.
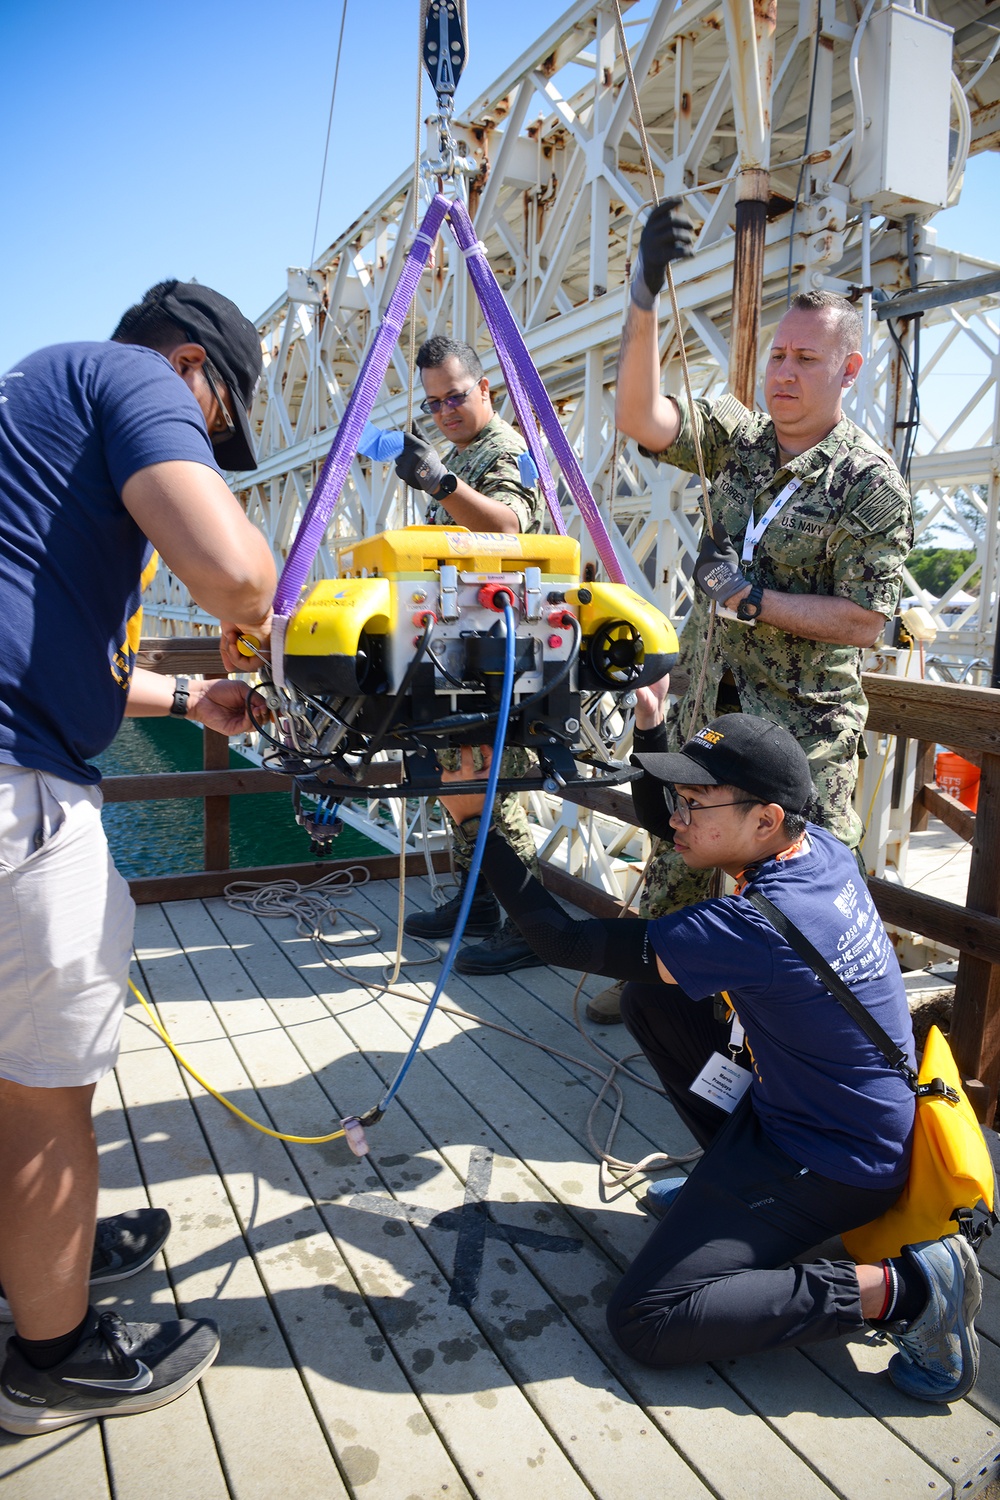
[528, 395]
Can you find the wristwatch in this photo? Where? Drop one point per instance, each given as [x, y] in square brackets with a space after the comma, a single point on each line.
[750, 605]
[179, 706]
[448, 486]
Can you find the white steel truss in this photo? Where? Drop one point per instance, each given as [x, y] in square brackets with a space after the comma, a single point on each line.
[557, 196]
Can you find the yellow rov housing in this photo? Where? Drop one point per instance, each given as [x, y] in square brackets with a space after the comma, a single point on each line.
[359, 634]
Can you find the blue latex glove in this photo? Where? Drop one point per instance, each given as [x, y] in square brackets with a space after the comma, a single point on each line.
[385, 447]
[527, 470]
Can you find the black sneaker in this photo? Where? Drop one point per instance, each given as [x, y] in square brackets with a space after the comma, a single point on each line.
[116, 1368]
[500, 954]
[124, 1245]
[484, 916]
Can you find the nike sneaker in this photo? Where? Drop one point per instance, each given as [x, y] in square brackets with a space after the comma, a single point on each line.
[117, 1368]
[123, 1245]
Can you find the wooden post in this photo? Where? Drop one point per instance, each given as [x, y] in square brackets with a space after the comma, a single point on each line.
[923, 773]
[975, 1025]
[216, 758]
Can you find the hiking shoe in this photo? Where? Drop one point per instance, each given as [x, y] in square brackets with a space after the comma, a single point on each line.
[659, 1196]
[484, 916]
[123, 1245]
[500, 954]
[115, 1369]
[938, 1357]
[606, 1007]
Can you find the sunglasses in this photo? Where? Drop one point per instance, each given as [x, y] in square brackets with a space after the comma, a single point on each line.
[214, 381]
[431, 408]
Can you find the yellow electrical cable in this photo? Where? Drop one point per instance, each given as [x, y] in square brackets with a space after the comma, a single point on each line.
[885, 761]
[299, 1140]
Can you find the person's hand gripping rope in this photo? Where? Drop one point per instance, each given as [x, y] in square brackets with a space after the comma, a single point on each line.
[667, 235]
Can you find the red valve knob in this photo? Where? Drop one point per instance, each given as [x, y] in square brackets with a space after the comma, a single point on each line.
[424, 617]
[555, 641]
[560, 619]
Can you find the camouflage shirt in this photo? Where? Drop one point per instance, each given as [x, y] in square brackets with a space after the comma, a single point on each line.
[489, 466]
[845, 533]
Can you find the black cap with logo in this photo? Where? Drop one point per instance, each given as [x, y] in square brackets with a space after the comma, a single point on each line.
[233, 345]
[742, 750]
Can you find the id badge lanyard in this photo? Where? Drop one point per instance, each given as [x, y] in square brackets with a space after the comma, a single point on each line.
[755, 529]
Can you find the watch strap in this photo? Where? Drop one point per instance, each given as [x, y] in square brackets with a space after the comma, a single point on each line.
[179, 706]
[749, 606]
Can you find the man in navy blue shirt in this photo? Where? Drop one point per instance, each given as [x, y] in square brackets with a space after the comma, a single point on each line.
[108, 452]
[805, 1126]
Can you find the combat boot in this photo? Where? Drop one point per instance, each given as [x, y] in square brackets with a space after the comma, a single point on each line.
[484, 915]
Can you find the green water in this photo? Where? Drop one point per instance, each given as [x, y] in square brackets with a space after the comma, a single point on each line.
[166, 838]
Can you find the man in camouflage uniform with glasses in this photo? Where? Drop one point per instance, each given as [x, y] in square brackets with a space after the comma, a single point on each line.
[478, 484]
[812, 524]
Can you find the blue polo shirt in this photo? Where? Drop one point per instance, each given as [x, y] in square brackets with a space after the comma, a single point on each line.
[822, 1091]
[76, 422]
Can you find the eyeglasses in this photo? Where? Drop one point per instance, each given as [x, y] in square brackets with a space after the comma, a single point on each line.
[684, 810]
[211, 377]
[431, 408]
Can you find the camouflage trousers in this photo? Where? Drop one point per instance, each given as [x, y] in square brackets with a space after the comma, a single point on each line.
[669, 884]
[509, 817]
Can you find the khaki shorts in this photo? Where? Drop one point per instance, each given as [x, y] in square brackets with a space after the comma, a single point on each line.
[66, 919]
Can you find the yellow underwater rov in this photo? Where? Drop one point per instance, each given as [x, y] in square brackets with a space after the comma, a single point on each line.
[405, 651]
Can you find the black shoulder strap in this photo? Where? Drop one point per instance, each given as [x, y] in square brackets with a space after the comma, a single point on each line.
[894, 1056]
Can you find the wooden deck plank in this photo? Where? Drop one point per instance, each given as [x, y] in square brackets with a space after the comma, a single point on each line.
[287, 1033]
[540, 1002]
[956, 1440]
[525, 1323]
[527, 1129]
[253, 1393]
[68, 1462]
[275, 1209]
[575, 1288]
[855, 1452]
[142, 1450]
[482, 1405]
[723, 1453]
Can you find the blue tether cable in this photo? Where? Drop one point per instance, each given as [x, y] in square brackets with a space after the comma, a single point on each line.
[506, 698]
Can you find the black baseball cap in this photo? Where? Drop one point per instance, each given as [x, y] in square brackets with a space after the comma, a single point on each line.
[233, 345]
[742, 750]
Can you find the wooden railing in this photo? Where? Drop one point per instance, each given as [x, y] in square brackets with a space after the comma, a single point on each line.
[966, 719]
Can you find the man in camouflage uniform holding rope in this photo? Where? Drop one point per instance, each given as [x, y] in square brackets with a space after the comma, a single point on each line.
[812, 522]
[478, 484]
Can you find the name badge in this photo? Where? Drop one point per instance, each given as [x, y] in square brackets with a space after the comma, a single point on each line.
[722, 1082]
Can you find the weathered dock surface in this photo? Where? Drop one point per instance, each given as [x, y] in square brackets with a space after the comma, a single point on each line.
[429, 1321]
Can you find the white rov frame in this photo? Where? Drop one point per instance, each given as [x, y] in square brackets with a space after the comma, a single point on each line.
[557, 200]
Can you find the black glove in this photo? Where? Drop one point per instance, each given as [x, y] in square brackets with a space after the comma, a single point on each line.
[717, 571]
[418, 465]
[668, 235]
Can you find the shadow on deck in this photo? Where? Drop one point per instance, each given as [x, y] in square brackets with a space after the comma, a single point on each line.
[429, 1321]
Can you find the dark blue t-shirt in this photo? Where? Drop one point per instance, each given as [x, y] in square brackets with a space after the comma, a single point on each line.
[822, 1091]
[76, 422]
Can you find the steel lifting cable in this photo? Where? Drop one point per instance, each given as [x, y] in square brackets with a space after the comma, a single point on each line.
[329, 127]
[679, 331]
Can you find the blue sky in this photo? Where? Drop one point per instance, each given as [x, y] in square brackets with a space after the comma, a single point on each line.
[145, 140]
[150, 140]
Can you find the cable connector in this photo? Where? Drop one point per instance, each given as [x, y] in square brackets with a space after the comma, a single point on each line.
[354, 1134]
